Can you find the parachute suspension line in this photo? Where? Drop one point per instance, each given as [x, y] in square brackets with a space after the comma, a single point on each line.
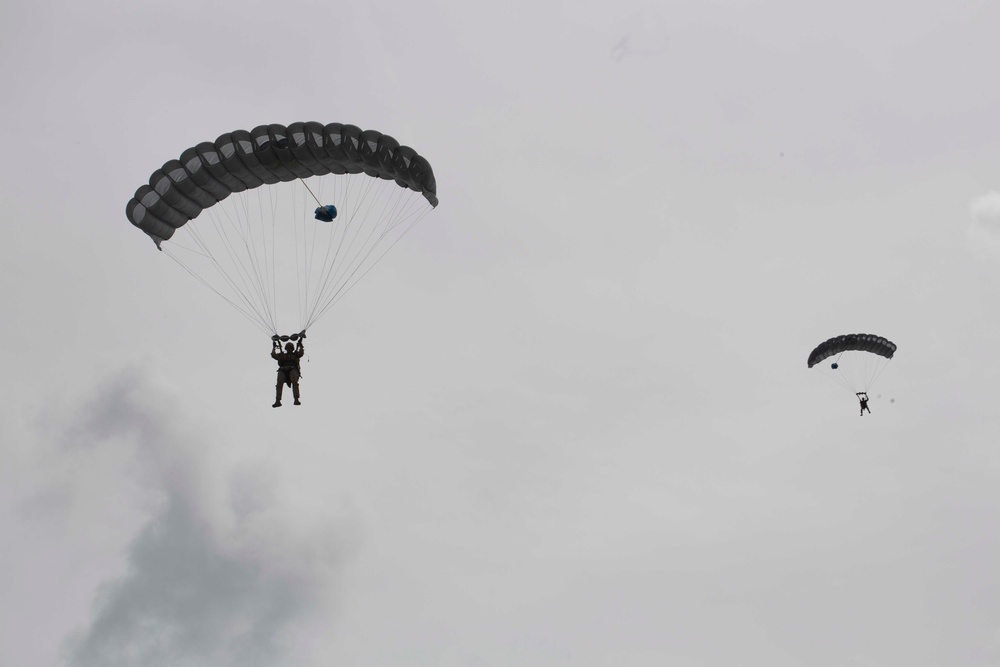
[401, 212]
[308, 245]
[349, 258]
[329, 265]
[343, 291]
[242, 209]
[252, 318]
[274, 272]
[841, 377]
[844, 375]
[881, 367]
[195, 235]
[859, 371]
[313, 244]
[253, 273]
[252, 224]
[342, 193]
[303, 181]
[306, 261]
[299, 272]
[876, 367]
[252, 266]
[249, 264]
[332, 272]
[268, 267]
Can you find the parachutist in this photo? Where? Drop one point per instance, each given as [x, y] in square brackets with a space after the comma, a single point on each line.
[862, 356]
[252, 264]
[863, 397]
[288, 367]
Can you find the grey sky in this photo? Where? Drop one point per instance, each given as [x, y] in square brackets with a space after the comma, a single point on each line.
[568, 420]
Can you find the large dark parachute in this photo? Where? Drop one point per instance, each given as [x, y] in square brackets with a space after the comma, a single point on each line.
[209, 172]
[858, 359]
[290, 217]
[852, 342]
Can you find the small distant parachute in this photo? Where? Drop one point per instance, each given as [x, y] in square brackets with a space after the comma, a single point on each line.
[858, 359]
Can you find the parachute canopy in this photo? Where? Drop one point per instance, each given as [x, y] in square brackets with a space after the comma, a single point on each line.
[852, 342]
[262, 245]
[237, 161]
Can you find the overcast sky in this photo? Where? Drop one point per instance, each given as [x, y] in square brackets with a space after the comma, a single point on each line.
[568, 420]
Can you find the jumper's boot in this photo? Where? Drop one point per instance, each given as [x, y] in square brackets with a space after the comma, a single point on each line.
[277, 396]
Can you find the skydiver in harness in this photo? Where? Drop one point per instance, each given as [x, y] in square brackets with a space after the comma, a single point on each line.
[863, 397]
[288, 366]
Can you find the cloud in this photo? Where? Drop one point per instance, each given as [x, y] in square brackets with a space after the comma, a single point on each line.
[221, 572]
[985, 211]
[983, 233]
